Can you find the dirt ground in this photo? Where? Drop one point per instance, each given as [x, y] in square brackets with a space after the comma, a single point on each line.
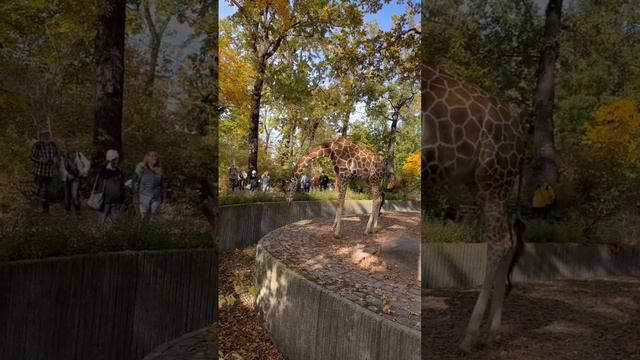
[582, 320]
[377, 271]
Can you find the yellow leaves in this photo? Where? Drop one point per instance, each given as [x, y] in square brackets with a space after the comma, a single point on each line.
[282, 9]
[411, 165]
[236, 78]
[614, 135]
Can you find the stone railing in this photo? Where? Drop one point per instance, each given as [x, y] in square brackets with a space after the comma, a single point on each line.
[463, 265]
[105, 306]
[245, 224]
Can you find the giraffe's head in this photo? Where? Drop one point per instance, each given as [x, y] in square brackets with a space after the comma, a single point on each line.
[289, 189]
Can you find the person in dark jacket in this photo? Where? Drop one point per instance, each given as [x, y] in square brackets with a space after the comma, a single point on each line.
[253, 181]
[324, 181]
[44, 156]
[111, 180]
[234, 178]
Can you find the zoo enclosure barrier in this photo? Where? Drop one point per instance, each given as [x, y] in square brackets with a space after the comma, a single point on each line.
[105, 306]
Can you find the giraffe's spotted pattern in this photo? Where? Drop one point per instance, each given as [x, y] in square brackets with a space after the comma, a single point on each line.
[350, 161]
[471, 137]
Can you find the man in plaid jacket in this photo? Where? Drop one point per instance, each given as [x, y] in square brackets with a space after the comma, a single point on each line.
[44, 156]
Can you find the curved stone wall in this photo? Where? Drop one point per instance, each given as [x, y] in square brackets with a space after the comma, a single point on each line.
[245, 224]
[463, 265]
[309, 322]
[105, 306]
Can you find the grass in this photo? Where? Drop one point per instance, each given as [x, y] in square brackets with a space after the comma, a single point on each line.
[474, 231]
[437, 231]
[245, 197]
[41, 238]
[541, 231]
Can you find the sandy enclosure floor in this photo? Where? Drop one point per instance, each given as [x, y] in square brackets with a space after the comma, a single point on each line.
[377, 271]
[582, 320]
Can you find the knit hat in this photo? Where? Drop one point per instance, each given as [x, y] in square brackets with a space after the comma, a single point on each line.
[112, 154]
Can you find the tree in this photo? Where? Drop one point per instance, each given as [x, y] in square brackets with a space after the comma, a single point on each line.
[109, 40]
[157, 15]
[266, 25]
[545, 168]
[607, 177]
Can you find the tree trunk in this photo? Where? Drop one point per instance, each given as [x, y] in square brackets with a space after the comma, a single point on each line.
[157, 33]
[109, 42]
[545, 169]
[345, 124]
[314, 130]
[391, 147]
[287, 136]
[267, 131]
[254, 126]
[154, 49]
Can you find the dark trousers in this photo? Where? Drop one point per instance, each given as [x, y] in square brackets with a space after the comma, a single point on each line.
[235, 183]
[71, 195]
[43, 189]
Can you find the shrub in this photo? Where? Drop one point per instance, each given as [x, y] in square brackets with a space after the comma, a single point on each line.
[439, 231]
[29, 238]
[541, 231]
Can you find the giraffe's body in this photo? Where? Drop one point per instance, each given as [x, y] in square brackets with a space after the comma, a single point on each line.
[349, 161]
[472, 138]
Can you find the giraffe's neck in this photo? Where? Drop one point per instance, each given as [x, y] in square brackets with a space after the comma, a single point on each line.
[429, 70]
[319, 151]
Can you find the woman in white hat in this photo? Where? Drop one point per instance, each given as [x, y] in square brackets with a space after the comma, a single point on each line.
[253, 181]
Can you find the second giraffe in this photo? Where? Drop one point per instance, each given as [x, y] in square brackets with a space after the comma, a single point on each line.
[349, 161]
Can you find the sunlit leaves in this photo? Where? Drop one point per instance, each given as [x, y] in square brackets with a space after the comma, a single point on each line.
[614, 135]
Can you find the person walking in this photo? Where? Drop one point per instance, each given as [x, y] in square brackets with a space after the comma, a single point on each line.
[266, 181]
[253, 181]
[307, 184]
[324, 181]
[234, 178]
[44, 156]
[149, 186]
[111, 181]
[73, 167]
[303, 182]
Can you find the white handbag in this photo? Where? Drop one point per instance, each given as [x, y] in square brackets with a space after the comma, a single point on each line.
[96, 198]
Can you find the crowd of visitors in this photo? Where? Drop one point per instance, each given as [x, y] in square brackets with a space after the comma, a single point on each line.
[110, 188]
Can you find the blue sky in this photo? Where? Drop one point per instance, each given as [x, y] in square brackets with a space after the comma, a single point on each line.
[382, 17]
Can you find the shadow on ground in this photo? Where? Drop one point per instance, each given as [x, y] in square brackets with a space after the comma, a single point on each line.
[568, 319]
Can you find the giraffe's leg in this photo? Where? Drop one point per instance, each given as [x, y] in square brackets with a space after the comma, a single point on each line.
[496, 252]
[499, 287]
[375, 206]
[343, 193]
[378, 209]
[473, 327]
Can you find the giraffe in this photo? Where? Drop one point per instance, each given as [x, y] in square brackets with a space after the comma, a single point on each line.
[349, 161]
[472, 138]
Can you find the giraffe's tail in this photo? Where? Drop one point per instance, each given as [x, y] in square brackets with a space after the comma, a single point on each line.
[518, 249]
[382, 195]
[518, 230]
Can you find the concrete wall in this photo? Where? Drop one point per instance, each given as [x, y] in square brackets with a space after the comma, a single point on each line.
[245, 224]
[463, 265]
[104, 306]
[308, 322]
